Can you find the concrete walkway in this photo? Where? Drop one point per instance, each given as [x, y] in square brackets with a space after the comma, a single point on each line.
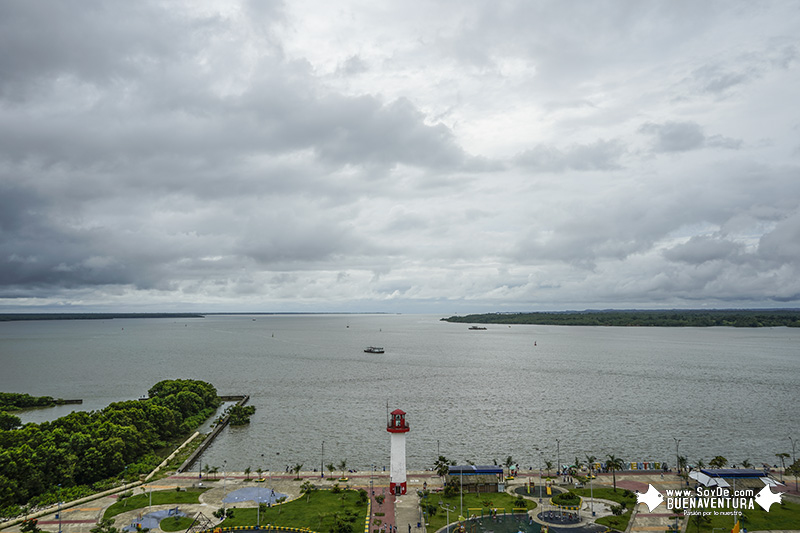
[401, 512]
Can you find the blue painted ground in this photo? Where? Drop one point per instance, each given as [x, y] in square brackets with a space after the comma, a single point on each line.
[151, 520]
[254, 494]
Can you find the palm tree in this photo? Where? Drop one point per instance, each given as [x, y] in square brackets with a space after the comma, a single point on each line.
[747, 464]
[296, 469]
[576, 465]
[442, 466]
[509, 463]
[700, 464]
[614, 464]
[782, 457]
[548, 465]
[259, 471]
[590, 460]
[331, 467]
[718, 462]
[681, 463]
[247, 473]
[342, 466]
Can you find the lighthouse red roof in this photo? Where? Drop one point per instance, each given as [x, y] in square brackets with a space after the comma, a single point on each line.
[398, 412]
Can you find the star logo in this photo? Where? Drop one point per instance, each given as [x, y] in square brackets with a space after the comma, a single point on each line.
[766, 498]
[652, 498]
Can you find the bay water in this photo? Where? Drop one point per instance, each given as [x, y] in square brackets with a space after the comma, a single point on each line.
[535, 393]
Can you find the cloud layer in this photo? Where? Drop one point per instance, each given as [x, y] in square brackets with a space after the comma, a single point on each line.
[445, 157]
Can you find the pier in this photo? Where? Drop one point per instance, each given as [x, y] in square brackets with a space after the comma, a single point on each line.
[240, 400]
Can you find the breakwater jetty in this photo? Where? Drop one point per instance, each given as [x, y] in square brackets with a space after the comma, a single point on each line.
[240, 400]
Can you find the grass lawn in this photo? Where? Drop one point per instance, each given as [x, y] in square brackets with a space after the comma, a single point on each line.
[176, 523]
[783, 516]
[620, 496]
[317, 514]
[485, 501]
[159, 497]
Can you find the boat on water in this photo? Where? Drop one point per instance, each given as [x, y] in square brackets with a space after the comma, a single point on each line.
[373, 349]
[477, 327]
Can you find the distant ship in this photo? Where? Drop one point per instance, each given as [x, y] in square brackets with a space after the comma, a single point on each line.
[477, 327]
[373, 349]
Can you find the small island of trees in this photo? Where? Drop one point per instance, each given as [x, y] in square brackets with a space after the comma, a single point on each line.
[738, 318]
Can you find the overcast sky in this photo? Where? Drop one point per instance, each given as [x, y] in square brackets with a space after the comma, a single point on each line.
[442, 157]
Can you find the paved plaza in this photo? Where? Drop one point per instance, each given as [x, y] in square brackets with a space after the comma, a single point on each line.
[401, 512]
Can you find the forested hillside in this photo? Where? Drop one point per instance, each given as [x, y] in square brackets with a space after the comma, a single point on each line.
[87, 448]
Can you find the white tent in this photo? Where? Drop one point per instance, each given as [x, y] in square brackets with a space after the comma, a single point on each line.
[707, 480]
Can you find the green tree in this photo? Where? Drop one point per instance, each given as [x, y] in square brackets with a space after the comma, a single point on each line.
[548, 465]
[30, 526]
[307, 488]
[442, 466]
[247, 473]
[614, 464]
[343, 466]
[9, 421]
[718, 462]
[794, 471]
[782, 456]
[105, 525]
[296, 469]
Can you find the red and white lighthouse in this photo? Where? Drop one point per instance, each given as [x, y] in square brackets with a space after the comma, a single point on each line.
[397, 427]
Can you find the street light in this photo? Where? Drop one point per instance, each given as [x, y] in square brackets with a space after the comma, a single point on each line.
[558, 457]
[448, 510]
[322, 461]
[59, 508]
[677, 443]
[794, 460]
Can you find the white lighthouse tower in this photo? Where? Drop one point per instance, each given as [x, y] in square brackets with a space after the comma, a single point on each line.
[398, 427]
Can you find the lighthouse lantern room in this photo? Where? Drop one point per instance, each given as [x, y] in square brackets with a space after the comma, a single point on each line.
[397, 428]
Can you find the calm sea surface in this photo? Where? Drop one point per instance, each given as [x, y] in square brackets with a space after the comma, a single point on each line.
[470, 395]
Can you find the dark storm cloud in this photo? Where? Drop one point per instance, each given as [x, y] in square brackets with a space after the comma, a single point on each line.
[274, 153]
[699, 250]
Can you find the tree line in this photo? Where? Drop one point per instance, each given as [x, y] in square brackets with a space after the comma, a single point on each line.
[749, 318]
[84, 451]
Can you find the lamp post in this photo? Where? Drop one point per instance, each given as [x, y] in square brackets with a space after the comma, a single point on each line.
[224, 490]
[447, 510]
[59, 508]
[461, 491]
[677, 462]
[794, 460]
[558, 456]
[322, 461]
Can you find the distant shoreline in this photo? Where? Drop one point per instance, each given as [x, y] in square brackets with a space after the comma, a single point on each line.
[737, 318]
[8, 317]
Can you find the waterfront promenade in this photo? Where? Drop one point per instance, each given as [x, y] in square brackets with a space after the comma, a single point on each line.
[401, 512]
